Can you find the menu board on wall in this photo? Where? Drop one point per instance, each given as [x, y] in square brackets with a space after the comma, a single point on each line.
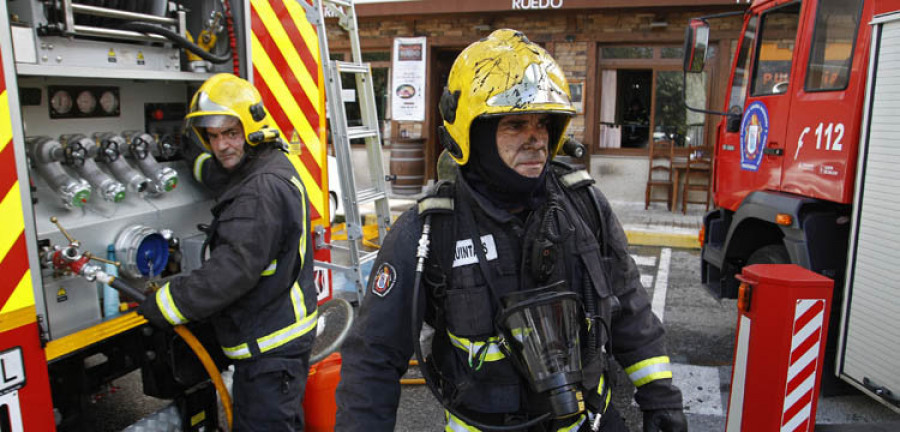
[408, 78]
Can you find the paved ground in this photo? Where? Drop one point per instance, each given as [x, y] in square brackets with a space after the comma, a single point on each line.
[701, 333]
[701, 340]
[701, 343]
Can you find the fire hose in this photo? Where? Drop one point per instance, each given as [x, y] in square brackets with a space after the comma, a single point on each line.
[184, 333]
[70, 258]
[189, 339]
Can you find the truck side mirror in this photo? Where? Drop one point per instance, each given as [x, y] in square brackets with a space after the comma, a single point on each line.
[696, 41]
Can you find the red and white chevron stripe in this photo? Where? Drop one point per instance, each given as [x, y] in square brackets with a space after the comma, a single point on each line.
[806, 340]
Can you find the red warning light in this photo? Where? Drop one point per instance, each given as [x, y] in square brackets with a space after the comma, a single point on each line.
[158, 114]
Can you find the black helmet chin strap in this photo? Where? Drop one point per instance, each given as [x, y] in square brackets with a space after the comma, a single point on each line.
[449, 143]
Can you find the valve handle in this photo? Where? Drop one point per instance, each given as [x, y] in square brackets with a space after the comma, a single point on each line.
[75, 153]
[54, 220]
[140, 148]
[110, 150]
[167, 147]
[103, 260]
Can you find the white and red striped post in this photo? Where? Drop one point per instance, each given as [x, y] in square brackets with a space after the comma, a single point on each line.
[780, 344]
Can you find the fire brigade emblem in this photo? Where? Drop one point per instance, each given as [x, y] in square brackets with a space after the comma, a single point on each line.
[385, 279]
[754, 135]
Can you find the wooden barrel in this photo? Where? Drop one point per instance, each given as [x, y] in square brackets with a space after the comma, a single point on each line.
[408, 165]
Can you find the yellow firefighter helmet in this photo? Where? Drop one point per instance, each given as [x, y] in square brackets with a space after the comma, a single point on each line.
[223, 96]
[502, 74]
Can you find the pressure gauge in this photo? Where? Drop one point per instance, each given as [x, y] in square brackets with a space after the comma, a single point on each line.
[109, 102]
[86, 102]
[61, 102]
[83, 101]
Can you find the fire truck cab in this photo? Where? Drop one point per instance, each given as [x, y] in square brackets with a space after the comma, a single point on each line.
[805, 168]
[789, 142]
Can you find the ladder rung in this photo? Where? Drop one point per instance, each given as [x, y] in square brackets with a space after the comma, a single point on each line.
[337, 267]
[361, 132]
[366, 196]
[339, 2]
[345, 67]
[369, 256]
[338, 247]
[328, 265]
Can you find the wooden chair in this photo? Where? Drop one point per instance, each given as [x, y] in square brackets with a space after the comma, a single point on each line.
[679, 165]
[659, 174]
[697, 177]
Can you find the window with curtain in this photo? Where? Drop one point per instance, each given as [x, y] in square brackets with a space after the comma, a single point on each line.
[642, 97]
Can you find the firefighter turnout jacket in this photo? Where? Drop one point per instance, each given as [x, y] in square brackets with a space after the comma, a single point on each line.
[589, 253]
[257, 285]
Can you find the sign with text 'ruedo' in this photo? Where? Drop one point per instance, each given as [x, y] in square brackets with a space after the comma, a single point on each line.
[428, 7]
[536, 4]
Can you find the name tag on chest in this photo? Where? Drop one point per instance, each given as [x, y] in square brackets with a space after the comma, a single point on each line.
[466, 254]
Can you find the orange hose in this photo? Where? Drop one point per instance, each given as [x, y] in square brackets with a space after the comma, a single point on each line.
[210, 367]
[412, 381]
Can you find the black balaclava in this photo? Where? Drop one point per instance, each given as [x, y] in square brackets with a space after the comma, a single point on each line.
[490, 176]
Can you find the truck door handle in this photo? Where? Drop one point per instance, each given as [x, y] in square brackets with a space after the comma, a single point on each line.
[883, 392]
[773, 150]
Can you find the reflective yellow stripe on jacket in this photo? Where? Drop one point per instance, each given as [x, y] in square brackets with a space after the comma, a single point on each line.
[198, 166]
[303, 324]
[478, 352]
[652, 369]
[574, 426]
[167, 306]
[301, 248]
[454, 424]
[270, 270]
[602, 389]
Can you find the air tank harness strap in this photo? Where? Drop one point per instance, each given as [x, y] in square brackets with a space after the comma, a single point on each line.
[466, 211]
[439, 207]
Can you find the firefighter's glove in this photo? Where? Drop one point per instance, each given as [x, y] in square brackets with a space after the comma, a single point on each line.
[151, 312]
[665, 420]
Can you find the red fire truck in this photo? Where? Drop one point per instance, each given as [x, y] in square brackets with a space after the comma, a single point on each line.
[805, 167]
[92, 99]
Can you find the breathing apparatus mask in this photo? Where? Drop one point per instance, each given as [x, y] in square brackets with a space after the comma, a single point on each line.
[540, 329]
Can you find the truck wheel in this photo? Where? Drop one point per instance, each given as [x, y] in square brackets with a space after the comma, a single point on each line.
[770, 254]
[332, 205]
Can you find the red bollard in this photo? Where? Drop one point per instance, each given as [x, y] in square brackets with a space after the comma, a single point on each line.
[779, 348]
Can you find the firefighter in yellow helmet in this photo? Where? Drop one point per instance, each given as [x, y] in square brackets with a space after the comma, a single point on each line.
[257, 286]
[520, 268]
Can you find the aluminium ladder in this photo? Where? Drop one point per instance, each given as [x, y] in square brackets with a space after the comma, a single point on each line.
[341, 135]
